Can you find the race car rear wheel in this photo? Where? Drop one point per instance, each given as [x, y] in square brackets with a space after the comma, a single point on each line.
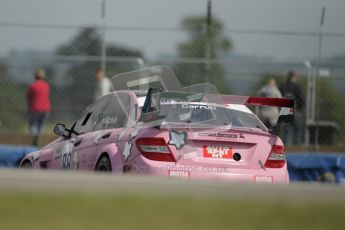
[103, 164]
[26, 165]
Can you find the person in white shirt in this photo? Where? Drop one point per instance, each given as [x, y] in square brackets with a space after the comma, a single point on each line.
[269, 114]
[103, 85]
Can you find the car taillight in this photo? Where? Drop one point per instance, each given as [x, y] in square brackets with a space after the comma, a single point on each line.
[276, 158]
[155, 149]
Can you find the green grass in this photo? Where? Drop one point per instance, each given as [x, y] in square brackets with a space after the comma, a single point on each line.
[110, 211]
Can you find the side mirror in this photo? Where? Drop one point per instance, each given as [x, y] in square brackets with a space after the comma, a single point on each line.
[60, 129]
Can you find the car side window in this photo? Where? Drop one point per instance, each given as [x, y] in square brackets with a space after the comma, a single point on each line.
[87, 120]
[115, 114]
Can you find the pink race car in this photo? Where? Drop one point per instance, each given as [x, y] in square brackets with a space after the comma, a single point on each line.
[190, 132]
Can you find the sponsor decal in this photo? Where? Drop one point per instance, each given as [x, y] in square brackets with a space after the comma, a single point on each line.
[263, 179]
[197, 106]
[66, 161]
[127, 150]
[170, 101]
[109, 120]
[177, 139]
[223, 135]
[179, 174]
[214, 151]
[128, 146]
[70, 161]
[69, 158]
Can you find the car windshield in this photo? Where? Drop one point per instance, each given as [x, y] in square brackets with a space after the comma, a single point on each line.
[209, 114]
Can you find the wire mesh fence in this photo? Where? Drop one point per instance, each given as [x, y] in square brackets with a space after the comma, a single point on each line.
[197, 55]
[72, 81]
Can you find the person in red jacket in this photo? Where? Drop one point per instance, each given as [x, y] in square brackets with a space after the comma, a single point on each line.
[38, 105]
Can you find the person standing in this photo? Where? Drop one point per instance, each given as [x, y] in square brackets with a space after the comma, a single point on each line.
[38, 105]
[103, 85]
[291, 89]
[269, 114]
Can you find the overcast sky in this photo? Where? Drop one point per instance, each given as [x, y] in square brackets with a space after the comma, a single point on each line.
[286, 15]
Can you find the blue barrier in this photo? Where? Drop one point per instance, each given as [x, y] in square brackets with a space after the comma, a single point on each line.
[322, 167]
[10, 156]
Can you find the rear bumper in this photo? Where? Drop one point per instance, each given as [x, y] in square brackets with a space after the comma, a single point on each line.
[268, 175]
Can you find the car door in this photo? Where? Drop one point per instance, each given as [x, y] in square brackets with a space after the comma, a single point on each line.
[109, 126]
[100, 124]
[72, 152]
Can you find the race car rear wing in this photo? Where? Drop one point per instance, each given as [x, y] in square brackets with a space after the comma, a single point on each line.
[249, 100]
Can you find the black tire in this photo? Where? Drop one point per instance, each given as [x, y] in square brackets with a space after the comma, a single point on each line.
[103, 164]
[26, 165]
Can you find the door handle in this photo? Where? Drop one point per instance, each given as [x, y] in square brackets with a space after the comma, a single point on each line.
[105, 136]
[102, 136]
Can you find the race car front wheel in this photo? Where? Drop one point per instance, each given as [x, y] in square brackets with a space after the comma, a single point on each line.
[103, 164]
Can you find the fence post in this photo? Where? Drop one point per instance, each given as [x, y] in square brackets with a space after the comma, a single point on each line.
[309, 107]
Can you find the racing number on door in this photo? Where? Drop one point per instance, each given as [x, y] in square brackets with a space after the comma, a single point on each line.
[66, 161]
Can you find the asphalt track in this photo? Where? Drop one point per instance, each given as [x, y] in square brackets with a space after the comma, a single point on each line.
[86, 182]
